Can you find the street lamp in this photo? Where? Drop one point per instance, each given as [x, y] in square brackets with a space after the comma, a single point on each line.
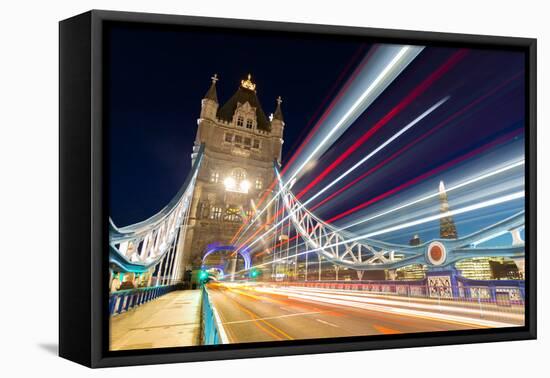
[229, 183]
[244, 186]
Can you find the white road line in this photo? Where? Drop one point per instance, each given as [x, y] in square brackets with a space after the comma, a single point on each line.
[327, 323]
[274, 317]
[408, 312]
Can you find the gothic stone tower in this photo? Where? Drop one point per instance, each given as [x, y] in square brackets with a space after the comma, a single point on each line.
[241, 144]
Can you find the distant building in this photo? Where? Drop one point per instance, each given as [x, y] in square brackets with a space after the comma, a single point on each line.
[447, 225]
[241, 145]
[415, 240]
[411, 272]
[488, 268]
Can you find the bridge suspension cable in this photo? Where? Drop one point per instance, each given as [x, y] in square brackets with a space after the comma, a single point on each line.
[138, 247]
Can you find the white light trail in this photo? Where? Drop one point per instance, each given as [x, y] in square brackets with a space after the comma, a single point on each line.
[466, 209]
[436, 194]
[377, 149]
[405, 55]
[477, 206]
[490, 237]
[354, 167]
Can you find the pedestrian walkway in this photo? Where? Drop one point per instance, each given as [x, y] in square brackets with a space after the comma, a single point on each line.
[169, 321]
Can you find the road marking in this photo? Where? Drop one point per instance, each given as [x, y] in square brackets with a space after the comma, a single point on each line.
[255, 316]
[362, 303]
[327, 323]
[384, 330]
[272, 317]
[256, 297]
[230, 336]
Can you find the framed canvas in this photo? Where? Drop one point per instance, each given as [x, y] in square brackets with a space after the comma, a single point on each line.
[234, 188]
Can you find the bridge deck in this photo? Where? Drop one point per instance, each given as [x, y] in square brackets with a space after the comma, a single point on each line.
[169, 321]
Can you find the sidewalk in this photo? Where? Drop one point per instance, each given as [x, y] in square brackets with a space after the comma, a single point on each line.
[169, 321]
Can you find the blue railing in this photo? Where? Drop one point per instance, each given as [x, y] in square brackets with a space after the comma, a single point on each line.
[513, 291]
[211, 333]
[124, 300]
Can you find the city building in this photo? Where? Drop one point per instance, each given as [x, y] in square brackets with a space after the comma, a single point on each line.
[447, 225]
[412, 272]
[488, 268]
[241, 144]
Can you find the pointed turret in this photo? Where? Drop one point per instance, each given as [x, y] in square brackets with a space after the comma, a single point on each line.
[447, 227]
[209, 103]
[277, 120]
[212, 93]
[278, 112]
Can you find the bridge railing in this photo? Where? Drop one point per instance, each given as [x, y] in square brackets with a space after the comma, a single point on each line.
[212, 329]
[497, 303]
[124, 300]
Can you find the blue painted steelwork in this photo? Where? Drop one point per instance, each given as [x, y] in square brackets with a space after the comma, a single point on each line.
[124, 300]
[210, 331]
[463, 288]
[360, 253]
[141, 246]
[216, 247]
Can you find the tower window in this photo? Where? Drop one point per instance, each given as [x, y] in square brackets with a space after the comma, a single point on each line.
[247, 143]
[240, 121]
[232, 214]
[259, 183]
[238, 139]
[228, 137]
[249, 123]
[214, 177]
[256, 144]
[239, 174]
[216, 213]
[203, 209]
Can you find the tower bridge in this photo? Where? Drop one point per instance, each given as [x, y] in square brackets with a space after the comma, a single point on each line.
[274, 252]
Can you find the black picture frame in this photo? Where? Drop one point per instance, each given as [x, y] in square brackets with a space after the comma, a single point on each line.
[83, 227]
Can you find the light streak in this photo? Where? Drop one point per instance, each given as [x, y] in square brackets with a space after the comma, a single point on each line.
[406, 52]
[417, 140]
[425, 175]
[463, 210]
[455, 58]
[427, 197]
[354, 167]
[436, 194]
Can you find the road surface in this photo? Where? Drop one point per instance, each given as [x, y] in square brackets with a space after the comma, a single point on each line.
[252, 314]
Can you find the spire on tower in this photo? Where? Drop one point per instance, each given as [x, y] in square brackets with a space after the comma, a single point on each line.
[212, 93]
[278, 112]
[447, 227]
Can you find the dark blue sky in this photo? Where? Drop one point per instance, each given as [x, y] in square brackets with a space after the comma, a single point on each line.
[157, 81]
[158, 77]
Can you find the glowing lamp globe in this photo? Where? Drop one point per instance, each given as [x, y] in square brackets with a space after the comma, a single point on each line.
[229, 183]
[244, 186]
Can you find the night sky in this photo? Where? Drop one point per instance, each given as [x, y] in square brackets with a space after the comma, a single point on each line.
[158, 78]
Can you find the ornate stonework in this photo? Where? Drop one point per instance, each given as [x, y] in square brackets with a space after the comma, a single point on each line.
[241, 146]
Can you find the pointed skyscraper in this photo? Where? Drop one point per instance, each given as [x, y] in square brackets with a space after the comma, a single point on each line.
[447, 227]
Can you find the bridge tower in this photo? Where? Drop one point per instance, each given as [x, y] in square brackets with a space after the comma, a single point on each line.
[241, 143]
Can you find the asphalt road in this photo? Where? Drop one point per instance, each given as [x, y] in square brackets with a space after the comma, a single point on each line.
[251, 315]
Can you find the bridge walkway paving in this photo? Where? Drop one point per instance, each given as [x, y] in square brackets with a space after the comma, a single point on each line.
[169, 321]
